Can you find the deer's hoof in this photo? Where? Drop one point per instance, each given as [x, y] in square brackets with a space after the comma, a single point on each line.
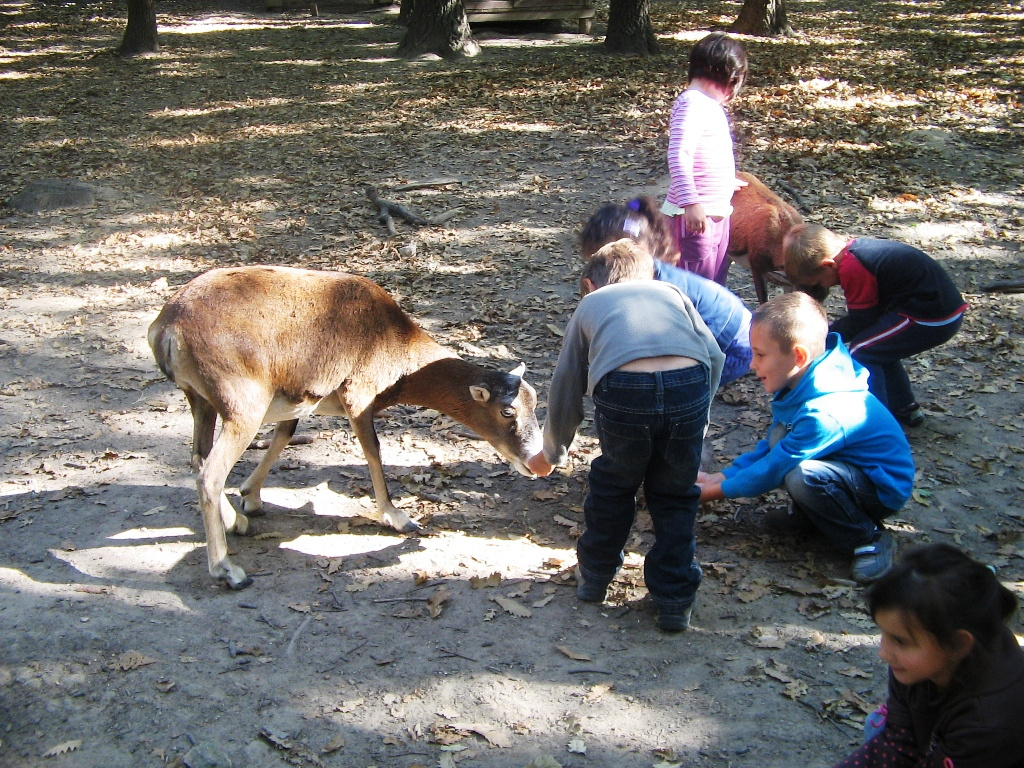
[237, 585]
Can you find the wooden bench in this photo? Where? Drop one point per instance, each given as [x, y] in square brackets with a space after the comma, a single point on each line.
[531, 10]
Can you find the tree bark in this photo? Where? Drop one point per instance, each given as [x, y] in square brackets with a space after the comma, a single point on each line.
[438, 26]
[629, 28]
[763, 18]
[140, 31]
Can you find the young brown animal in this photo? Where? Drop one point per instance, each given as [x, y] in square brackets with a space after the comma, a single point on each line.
[759, 222]
[260, 345]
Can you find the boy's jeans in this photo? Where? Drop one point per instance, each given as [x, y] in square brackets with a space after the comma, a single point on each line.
[883, 345]
[651, 427]
[839, 499]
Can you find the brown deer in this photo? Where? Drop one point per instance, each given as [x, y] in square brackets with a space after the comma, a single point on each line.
[260, 345]
[759, 223]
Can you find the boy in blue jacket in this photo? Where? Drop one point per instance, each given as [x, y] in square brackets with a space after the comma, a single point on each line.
[839, 452]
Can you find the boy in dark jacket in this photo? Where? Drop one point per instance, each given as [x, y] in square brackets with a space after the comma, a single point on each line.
[900, 302]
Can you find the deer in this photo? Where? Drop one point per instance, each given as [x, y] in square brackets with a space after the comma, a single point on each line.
[757, 227]
[257, 345]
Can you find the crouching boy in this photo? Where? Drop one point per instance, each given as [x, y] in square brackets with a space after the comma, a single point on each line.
[638, 347]
[835, 448]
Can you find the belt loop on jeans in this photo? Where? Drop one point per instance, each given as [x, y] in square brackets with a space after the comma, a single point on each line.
[659, 389]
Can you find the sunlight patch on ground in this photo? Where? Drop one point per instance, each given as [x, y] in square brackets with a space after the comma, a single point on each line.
[141, 562]
[16, 581]
[135, 534]
[208, 24]
[341, 544]
[212, 110]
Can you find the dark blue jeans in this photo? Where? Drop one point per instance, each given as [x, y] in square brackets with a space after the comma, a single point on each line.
[839, 499]
[883, 345]
[651, 427]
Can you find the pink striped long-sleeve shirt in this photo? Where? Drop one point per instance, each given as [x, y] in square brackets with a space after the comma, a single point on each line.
[700, 156]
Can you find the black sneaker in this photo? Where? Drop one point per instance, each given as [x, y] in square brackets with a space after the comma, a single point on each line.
[788, 522]
[588, 591]
[674, 622]
[873, 560]
[911, 416]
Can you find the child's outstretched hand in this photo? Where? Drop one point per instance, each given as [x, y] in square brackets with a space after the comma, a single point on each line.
[710, 486]
[539, 465]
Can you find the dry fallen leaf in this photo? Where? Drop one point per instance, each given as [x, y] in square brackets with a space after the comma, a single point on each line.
[494, 737]
[338, 742]
[513, 607]
[60, 749]
[597, 692]
[133, 660]
[437, 601]
[479, 582]
[574, 655]
[300, 607]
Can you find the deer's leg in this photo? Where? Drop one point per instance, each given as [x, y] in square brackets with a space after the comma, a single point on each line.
[218, 514]
[362, 425]
[204, 420]
[252, 504]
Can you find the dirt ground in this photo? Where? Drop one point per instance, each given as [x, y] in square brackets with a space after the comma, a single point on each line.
[248, 139]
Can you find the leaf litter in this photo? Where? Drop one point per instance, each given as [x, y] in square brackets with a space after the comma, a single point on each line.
[220, 171]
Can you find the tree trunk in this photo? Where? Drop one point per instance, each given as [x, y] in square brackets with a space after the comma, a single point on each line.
[763, 18]
[140, 31]
[438, 26]
[629, 28]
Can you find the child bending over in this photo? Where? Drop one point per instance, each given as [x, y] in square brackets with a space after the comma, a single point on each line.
[956, 672]
[641, 351]
[720, 308]
[834, 447]
[900, 301]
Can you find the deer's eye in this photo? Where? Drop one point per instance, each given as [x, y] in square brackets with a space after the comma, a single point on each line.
[508, 413]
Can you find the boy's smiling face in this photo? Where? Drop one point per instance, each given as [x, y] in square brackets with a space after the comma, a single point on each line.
[775, 367]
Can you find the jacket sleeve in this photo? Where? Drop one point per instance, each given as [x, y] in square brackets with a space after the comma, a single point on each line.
[715, 354]
[565, 396]
[814, 434]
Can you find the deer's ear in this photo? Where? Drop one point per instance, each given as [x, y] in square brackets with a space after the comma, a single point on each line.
[519, 370]
[480, 394]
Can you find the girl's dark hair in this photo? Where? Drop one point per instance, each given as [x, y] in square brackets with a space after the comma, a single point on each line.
[946, 591]
[640, 220]
[720, 59]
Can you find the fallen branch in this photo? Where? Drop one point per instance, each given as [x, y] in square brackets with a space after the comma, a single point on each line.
[791, 191]
[427, 184]
[386, 207]
[1004, 286]
[456, 653]
[382, 210]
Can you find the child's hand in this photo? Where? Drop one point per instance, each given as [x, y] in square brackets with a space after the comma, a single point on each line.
[539, 465]
[703, 478]
[710, 491]
[693, 216]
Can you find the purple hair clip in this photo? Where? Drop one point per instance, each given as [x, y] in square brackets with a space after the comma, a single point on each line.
[634, 204]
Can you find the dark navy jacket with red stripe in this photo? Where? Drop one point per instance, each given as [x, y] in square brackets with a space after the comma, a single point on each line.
[879, 276]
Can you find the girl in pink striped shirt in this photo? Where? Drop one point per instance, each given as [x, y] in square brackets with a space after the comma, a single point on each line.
[700, 156]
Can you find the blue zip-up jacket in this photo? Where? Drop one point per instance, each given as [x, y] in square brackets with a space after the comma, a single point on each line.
[720, 308]
[829, 415]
